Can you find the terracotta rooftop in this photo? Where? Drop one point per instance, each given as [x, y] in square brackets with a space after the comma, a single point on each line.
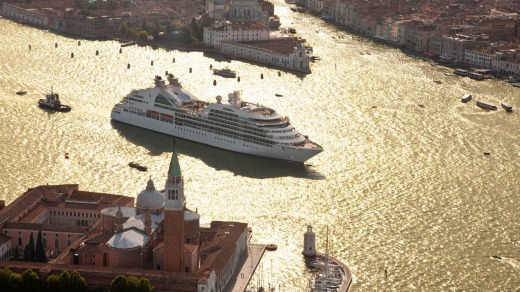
[44, 227]
[100, 238]
[282, 46]
[223, 245]
[31, 197]
[237, 26]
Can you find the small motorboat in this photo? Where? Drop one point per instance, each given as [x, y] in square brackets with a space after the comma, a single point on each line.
[21, 92]
[496, 257]
[466, 97]
[507, 107]
[138, 166]
[226, 72]
[271, 247]
[486, 105]
[278, 94]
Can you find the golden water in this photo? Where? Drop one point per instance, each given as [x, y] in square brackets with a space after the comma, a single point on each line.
[401, 187]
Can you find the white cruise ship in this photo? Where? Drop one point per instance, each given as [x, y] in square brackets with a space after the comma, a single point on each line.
[234, 125]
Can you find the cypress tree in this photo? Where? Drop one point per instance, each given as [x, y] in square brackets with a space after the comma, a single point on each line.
[27, 254]
[16, 254]
[40, 252]
[32, 249]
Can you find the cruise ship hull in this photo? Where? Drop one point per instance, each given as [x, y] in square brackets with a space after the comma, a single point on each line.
[282, 152]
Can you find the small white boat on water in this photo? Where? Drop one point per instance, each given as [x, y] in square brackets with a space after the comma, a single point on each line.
[226, 72]
[466, 97]
[485, 105]
[461, 72]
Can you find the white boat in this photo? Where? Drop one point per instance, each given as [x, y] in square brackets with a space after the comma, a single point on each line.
[466, 97]
[476, 76]
[233, 125]
[461, 72]
[226, 72]
[486, 105]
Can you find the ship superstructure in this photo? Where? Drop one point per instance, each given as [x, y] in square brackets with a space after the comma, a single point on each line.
[233, 124]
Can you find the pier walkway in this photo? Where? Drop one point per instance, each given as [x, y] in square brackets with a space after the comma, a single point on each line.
[248, 263]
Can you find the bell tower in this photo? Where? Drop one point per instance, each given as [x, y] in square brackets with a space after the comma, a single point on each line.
[174, 217]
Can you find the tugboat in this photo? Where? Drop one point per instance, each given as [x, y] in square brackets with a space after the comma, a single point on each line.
[52, 102]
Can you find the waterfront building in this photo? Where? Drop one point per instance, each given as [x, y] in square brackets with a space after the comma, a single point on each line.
[35, 17]
[234, 32]
[481, 57]
[103, 235]
[453, 46]
[415, 35]
[246, 35]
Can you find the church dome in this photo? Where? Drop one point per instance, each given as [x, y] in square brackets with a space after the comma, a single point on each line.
[150, 198]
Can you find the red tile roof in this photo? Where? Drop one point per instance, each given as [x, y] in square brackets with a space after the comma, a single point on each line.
[282, 46]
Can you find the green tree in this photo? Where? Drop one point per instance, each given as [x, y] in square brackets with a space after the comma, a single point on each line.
[40, 251]
[27, 254]
[187, 35]
[77, 283]
[119, 284]
[63, 281]
[31, 281]
[194, 28]
[132, 284]
[53, 283]
[16, 254]
[143, 35]
[84, 12]
[123, 28]
[32, 248]
[5, 273]
[169, 31]
[15, 283]
[156, 33]
[144, 286]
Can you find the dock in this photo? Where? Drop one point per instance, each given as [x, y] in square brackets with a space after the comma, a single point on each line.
[248, 264]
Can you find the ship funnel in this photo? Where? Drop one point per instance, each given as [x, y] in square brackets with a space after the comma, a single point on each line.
[159, 81]
[237, 100]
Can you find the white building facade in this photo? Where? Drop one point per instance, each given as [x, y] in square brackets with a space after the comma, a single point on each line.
[234, 32]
